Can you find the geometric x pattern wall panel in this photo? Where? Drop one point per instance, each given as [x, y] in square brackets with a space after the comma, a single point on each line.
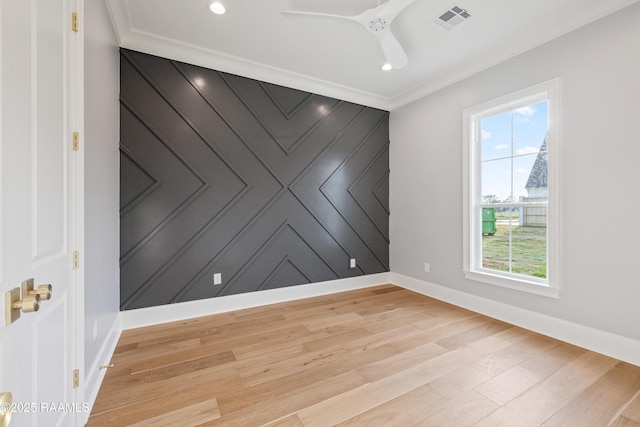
[267, 185]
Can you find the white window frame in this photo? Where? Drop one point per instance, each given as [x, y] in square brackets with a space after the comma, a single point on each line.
[472, 227]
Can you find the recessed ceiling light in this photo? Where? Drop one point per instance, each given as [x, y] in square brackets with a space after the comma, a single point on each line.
[217, 8]
[386, 67]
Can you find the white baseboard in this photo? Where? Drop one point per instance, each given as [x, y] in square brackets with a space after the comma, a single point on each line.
[186, 310]
[95, 375]
[606, 343]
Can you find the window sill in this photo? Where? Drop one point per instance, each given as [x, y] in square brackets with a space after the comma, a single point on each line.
[513, 283]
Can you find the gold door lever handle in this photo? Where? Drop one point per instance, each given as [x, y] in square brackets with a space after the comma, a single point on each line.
[44, 291]
[6, 400]
[13, 305]
[29, 303]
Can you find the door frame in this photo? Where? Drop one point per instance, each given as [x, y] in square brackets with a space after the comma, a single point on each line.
[77, 123]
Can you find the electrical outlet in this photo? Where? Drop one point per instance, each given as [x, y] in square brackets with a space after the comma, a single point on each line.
[95, 330]
[217, 278]
[352, 263]
[427, 267]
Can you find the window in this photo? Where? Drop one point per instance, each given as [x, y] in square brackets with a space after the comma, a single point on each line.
[511, 211]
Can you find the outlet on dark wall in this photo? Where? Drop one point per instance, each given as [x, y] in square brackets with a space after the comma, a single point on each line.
[265, 185]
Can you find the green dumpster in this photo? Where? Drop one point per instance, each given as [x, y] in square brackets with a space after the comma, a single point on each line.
[489, 221]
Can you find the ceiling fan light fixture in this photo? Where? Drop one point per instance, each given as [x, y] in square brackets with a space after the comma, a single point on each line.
[376, 20]
[386, 67]
[217, 8]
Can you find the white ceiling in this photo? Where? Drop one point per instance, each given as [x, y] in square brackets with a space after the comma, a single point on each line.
[342, 60]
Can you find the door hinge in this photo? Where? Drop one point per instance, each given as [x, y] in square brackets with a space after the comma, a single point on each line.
[74, 22]
[76, 378]
[76, 260]
[76, 141]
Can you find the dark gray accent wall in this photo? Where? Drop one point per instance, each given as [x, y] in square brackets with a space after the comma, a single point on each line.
[269, 186]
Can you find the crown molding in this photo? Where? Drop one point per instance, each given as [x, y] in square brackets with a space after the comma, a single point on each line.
[132, 38]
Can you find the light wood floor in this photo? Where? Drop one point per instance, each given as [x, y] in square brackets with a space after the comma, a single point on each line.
[380, 356]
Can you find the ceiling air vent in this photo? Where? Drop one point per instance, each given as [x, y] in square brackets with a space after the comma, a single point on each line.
[452, 17]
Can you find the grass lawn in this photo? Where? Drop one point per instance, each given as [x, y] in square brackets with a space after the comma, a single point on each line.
[529, 251]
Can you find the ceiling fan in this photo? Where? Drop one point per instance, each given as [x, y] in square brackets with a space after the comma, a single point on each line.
[377, 20]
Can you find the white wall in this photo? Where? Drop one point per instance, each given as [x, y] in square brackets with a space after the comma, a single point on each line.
[599, 68]
[102, 221]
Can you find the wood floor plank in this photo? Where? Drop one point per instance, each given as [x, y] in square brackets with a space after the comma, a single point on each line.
[437, 332]
[624, 422]
[188, 416]
[193, 331]
[244, 345]
[278, 399]
[381, 356]
[140, 354]
[110, 399]
[538, 404]
[598, 404]
[191, 365]
[528, 410]
[181, 357]
[393, 320]
[439, 366]
[326, 321]
[579, 374]
[354, 402]
[560, 356]
[382, 388]
[463, 410]
[328, 361]
[401, 361]
[120, 377]
[632, 411]
[138, 411]
[508, 385]
[336, 339]
[533, 346]
[394, 337]
[458, 381]
[314, 374]
[290, 421]
[464, 338]
[404, 410]
[172, 329]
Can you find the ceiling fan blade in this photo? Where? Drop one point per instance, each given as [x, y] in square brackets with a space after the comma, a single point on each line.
[375, 20]
[392, 8]
[392, 50]
[316, 17]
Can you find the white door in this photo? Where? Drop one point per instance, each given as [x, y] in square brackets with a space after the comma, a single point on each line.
[38, 211]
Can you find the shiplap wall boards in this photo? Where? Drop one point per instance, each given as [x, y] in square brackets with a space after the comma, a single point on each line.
[269, 186]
